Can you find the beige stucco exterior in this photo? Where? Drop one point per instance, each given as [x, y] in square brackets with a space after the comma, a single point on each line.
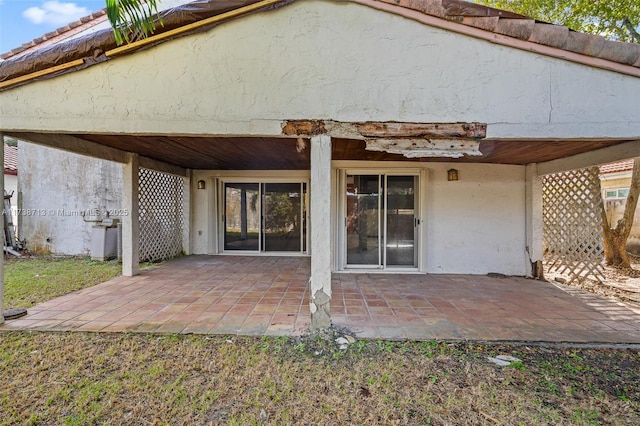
[321, 59]
[56, 188]
[347, 62]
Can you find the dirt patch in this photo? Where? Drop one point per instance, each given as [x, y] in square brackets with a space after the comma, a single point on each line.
[622, 284]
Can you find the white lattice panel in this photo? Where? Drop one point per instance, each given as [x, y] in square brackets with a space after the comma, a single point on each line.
[161, 219]
[572, 233]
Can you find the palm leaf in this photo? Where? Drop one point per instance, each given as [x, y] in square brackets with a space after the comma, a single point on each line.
[132, 19]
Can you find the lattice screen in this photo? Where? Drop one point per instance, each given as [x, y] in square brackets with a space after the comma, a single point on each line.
[572, 224]
[161, 221]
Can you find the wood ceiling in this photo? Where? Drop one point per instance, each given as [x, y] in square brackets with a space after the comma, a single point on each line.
[258, 153]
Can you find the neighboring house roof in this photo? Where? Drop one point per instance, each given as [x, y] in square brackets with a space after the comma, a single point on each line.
[490, 24]
[10, 160]
[620, 166]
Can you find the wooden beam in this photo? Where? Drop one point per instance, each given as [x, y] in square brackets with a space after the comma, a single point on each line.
[42, 73]
[95, 150]
[610, 154]
[160, 166]
[304, 128]
[384, 130]
[74, 144]
[422, 130]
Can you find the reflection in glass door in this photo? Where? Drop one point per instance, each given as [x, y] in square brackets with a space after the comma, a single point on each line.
[363, 220]
[282, 205]
[380, 221]
[401, 221]
[242, 216]
[267, 217]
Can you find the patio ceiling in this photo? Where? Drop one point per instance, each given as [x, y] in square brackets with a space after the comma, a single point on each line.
[280, 153]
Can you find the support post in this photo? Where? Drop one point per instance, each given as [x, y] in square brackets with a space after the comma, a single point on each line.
[186, 212]
[534, 222]
[130, 225]
[320, 206]
[3, 236]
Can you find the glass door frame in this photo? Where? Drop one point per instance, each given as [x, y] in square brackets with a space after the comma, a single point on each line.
[304, 236]
[419, 183]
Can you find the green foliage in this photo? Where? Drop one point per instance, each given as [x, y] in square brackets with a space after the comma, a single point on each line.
[283, 211]
[132, 19]
[10, 141]
[613, 19]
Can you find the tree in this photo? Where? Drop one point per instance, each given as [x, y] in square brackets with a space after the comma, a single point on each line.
[615, 239]
[616, 20]
[132, 19]
[10, 141]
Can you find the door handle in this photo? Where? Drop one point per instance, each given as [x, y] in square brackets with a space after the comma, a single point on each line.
[416, 221]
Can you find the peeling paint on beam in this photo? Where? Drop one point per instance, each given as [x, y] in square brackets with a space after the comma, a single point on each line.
[390, 129]
[425, 148]
[422, 130]
[303, 128]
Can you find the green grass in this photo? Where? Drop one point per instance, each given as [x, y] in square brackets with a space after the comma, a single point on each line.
[100, 378]
[34, 280]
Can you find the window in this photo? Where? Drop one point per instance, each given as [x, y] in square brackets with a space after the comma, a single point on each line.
[616, 193]
[265, 217]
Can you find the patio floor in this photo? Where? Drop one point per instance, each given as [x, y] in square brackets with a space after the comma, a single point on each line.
[268, 296]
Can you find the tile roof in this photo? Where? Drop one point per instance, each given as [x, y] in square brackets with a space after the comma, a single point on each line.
[59, 34]
[10, 159]
[620, 166]
[523, 28]
[494, 25]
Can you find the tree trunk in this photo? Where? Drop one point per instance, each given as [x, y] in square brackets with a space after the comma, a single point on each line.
[615, 239]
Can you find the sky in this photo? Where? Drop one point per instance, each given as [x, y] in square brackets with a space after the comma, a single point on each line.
[24, 20]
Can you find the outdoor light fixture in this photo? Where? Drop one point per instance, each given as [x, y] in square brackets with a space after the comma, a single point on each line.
[201, 184]
[452, 174]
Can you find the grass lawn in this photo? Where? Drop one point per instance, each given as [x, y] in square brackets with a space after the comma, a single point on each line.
[29, 281]
[81, 378]
[138, 379]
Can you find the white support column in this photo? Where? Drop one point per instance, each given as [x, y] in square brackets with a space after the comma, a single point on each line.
[215, 216]
[3, 236]
[186, 212]
[130, 225]
[534, 222]
[320, 210]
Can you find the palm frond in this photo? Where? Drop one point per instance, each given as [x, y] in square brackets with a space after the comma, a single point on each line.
[132, 19]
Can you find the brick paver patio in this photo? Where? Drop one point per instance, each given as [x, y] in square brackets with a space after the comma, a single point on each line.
[268, 296]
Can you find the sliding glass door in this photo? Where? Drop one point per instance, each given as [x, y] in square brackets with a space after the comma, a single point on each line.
[381, 221]
[242, 216]
[265, 217]
[283, 212]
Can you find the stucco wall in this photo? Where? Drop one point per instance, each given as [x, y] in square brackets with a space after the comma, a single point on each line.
[474, 225]
[320, 59]
[55, 186]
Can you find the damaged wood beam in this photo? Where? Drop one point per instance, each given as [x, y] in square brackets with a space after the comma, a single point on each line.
[306, 128]
[387, 130]
[422, 130]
